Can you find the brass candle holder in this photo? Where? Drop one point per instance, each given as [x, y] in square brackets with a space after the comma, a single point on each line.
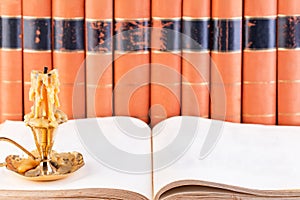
[44, 164]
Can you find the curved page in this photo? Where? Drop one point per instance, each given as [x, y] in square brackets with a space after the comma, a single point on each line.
[253, 157]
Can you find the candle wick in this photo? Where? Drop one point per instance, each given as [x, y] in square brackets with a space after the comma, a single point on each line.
[45, 70]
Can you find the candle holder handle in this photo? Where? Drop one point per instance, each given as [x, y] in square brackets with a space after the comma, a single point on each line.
[5, 139]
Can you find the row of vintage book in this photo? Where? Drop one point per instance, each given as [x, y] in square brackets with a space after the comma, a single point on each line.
[232, 60]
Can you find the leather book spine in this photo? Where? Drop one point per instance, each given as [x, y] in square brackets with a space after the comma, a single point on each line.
[226, 65]
[259, 62]
[69, 55]
[288, 61]
[165, 60]
[11, 107]
[132, 58]
[99, 57]
[195, 58]
[37, 43]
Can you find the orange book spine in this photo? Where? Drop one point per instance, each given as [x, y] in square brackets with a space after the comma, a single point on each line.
[259, 62]
[69, 54]
[226, 65]
[99, 58]
[11, 60]
[195, 58]
[165, 60]
[36, 42]
[288, 57]
[132, 58]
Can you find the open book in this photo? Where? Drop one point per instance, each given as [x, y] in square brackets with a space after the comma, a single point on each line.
[180, 158]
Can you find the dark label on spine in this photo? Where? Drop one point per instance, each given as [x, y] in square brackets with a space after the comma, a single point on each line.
[227, 35]
[260, 34]
[99, 36]
[170, 35]
[10, 33]
[68, 35]
[289, 32]
[196, 35]
[132, 35]
[37, 34]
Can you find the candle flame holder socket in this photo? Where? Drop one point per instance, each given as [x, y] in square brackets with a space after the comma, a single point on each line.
[44, 164]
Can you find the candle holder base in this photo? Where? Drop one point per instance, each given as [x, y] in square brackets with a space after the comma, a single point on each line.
[46, 168]
[60, 166]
